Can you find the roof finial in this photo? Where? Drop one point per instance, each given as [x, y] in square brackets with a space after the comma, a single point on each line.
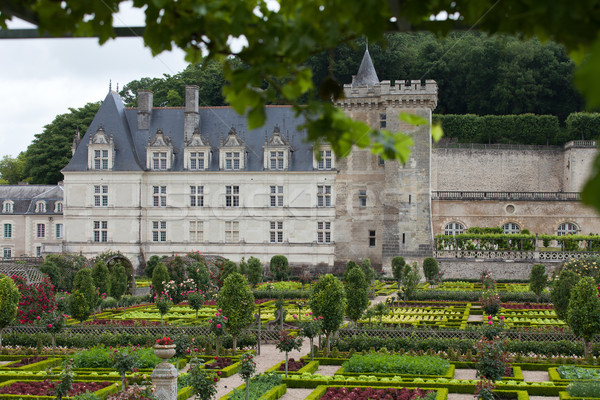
[117, 87]
[367, 44]
[109, 85]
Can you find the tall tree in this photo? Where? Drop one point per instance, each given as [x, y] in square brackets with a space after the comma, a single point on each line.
[236, 302]
[12, 170]
[50, 151]
[328, 300]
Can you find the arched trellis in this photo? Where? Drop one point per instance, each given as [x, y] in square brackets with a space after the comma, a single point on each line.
[31, 274]
[110, 259]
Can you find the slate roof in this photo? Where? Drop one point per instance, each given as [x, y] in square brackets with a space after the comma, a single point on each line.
[215, 123]
[366, 75]
[24, 197]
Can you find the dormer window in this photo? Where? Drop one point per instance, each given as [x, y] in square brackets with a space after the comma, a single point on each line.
[232, 154]
[58, 207]
[100, 159]
[276, 160]
[325, 161]
[159, 152]
[197, 154]
[100, 151]
[7, 207]
[40, 207]
[276, 151]
[159, 160]
[232, 160]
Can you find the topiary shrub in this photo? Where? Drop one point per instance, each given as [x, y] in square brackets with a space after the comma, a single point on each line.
[538, 279]
[160, 277]
[255, 271]
[431, 269]
[398, 264]
[279, 268]
[357, 295]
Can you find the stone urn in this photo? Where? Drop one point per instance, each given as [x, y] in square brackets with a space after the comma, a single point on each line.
[164, 351]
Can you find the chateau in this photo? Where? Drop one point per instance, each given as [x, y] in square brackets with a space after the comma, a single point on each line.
[152, 180]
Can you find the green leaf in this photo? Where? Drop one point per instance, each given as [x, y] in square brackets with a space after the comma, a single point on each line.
[436, 132]
[412, 119]
[256, 117]
[590, 194]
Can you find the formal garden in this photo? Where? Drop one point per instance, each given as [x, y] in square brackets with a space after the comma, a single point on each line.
[84, 330]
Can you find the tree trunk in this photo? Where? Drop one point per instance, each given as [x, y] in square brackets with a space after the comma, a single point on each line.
[218, 345]
[53, 343]
[234, 340]
[196, 314]
[312, 351]
[286, 364]
[248, 389]
[586, 348]
[328, 344]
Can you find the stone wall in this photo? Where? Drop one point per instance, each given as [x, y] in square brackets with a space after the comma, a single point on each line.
[497, 170]
[500, 269]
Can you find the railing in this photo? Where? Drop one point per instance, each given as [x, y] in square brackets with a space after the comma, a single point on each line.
[516, 196]
[273, 335]
[513, 255]
[22, 260]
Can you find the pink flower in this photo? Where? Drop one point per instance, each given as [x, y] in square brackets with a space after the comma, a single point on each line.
[218, 326]
[49, 325]
[490, 322]
[502, 317]
[225, 318]
[210, 321]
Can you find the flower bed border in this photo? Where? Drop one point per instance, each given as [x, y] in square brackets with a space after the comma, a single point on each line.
[311, 367]
[273, 394]
[441, 393]
[102, 393]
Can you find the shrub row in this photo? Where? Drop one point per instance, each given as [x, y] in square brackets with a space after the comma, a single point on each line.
[463, 346]
[526, 129]
[78, 340]
[473, 296]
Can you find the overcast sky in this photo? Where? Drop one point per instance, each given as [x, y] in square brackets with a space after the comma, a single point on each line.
[41, 78]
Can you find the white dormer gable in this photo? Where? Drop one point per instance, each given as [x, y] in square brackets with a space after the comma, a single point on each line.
[232, 153]
[159, 152]
[276, 155]
[197, 155]
[101, 149]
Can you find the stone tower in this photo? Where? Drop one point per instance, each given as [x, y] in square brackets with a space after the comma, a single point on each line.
[383, 209]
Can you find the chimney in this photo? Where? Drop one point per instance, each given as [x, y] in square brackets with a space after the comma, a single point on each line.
[144, 109]
[192, 117]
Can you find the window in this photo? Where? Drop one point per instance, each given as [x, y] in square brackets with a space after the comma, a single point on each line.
[566, 228]
[59, 231]
[276, 196]
[323, 232]
[58, 207]
[362, 198]
[276, 160]
[159, 231]
[323, 196]
[40, 207]
[454, 228]
[159, 196]
[7, 231]
[7, 207]
[197, 160]
[41, 231]
[100, 195]
[196, 196]
[511, 228]
[382, 120]
[232, 196]
[372, 235]
[101, 159]
[197, 231]
[326, 161]
[232, 160]
[100, 231]
[159, 160]
[232, 231]
[276, 232]
[7, 253]
[38, 251]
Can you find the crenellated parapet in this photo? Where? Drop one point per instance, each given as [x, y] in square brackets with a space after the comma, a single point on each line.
[402, 94]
